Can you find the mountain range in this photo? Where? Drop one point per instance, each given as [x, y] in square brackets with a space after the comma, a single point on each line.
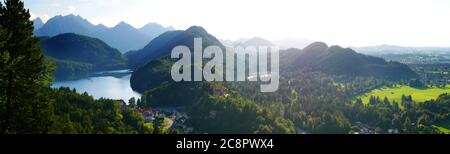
[77, 52]
[285, 43]
[392, 49]
[336, 60]
[153, 62]
[122, 36]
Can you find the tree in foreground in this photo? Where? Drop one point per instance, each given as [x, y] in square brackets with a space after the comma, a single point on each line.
[25, 106]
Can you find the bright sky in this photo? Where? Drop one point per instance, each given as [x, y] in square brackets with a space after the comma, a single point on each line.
[341, 22]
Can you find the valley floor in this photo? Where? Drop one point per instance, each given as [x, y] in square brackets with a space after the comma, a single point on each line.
[395, 93]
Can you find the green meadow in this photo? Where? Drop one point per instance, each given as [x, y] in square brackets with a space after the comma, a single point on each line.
[395, 93]
[443, 130]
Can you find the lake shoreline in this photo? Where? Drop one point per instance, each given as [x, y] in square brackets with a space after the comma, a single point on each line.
[108, 84]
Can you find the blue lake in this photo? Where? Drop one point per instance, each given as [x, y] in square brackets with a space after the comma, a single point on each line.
[111, 87]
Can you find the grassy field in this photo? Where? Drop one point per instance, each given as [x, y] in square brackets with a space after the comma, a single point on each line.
[418, 95]
[442, 129]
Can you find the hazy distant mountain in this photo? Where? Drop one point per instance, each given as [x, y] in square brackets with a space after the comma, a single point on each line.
[245, 42]
[227, 42]
[123, 36]
[67, 24]
[391, 49]
[342, 61]
[256, 41]
[162, 45]
[154, 30]
[287, 43]
[38, 23]
[283, 44]
[241, 40]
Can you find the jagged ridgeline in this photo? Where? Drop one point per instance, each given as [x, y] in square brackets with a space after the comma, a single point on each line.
[123, 36]
[80, 55]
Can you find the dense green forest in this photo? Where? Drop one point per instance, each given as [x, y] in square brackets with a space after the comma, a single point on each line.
[68, 70]
[80, 114]
[304, 104]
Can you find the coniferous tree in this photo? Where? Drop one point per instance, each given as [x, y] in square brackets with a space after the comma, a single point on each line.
[132, 102]
[386, 102]
[25, 107]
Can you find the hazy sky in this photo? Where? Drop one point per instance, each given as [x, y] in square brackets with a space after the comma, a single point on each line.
[342, 22]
